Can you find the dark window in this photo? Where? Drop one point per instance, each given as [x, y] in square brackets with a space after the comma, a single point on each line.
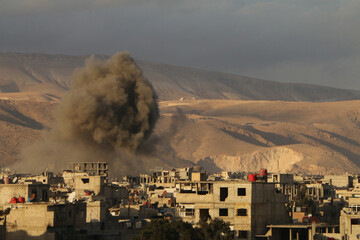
[85, 180]
[275, 178]
[241, 191]
[223, 212]
[242, 212]
[189, 212]
[70, 213]
[355, 221]
[204, 214]
[223, 194]
[44, 195]
[243, 234]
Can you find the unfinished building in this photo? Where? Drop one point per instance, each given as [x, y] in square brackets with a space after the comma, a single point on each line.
[248, 206]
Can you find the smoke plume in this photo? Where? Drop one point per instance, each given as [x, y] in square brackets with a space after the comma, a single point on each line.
[110, 107]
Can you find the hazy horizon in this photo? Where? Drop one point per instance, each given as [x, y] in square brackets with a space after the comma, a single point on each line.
[279, 40]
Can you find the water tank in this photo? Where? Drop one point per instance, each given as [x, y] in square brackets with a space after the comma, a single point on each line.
[13, 200]
[6, 180]
[21, 199]
[252, 177]
[263, 172]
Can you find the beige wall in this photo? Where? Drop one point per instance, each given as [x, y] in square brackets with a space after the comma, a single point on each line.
[35, 218]
[263, 205]
[7, 191]
[95, 184]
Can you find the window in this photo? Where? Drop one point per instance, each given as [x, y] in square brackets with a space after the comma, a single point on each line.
[355, 221]
[44, 195]
[223, 194]
[204, 214]
[275, 178]
[243, 234]
[85, 180]
[241, 212]
[189, 212]
[241, 191]
[223, 212]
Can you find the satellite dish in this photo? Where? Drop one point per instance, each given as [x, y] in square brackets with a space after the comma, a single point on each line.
[15, 180]
[71, 197]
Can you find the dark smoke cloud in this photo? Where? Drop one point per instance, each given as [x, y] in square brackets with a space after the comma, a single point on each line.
[111, 107]
[111, 104]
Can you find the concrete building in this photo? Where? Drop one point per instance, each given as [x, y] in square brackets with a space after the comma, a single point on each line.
[169, 178]
[320, 191]
[87, 183]
[340, 181]
[44, 219]
[39, 192]
[248, 206]
[310, 231]
[350, 220]
[286, 184]
[92, 168]
[45, 178]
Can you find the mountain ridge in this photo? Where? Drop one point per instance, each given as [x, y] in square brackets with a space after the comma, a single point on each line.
[51, 74]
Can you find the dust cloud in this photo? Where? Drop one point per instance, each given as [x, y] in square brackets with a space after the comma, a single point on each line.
[110, 108]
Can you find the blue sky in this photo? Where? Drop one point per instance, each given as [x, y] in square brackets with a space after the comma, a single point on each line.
[315, 41]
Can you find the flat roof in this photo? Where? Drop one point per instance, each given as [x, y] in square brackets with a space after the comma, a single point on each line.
[301, 225]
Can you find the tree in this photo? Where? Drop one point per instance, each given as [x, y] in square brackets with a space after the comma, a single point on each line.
[166, 230]
[163, 229]
[216, 229]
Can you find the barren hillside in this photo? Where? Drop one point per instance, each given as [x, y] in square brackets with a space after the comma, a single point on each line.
[210, 126]
[49, 76]
[229, 135]
[281, 136]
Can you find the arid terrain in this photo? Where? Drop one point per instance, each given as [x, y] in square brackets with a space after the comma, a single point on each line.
[220, 121]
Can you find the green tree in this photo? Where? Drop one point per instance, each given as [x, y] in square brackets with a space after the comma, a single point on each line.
[166, 230]
[216, 229]
[163, 229]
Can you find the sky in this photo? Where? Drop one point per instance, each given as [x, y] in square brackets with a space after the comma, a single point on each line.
[305, 41]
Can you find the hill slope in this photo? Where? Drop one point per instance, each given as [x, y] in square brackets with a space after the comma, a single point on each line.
[46, 77]
[211, 127]
[231, 135]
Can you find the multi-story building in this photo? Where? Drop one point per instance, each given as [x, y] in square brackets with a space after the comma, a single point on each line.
[248, 206]
[44, 220]
[34, 192]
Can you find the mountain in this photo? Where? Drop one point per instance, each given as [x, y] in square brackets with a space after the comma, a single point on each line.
[47, 77]
[231, 135]
[235, 135]
[223, 121]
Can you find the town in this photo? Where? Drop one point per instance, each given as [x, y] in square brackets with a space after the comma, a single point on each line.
[83, 201]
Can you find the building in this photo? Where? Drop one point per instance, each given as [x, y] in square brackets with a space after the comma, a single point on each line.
[340, 181]
[34, 192]
[167, 178]
[44, 220]
[248, 206]
[93, 168]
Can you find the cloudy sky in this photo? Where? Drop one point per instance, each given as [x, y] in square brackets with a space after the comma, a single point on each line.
[310, 41]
